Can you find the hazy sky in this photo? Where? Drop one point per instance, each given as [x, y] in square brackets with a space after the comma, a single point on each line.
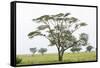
[26, 12]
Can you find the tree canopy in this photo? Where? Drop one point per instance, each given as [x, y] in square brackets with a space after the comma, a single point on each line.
[33, 50]
[42, 50]
[89, 48]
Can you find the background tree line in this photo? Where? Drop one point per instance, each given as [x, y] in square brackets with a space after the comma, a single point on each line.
[41, 50]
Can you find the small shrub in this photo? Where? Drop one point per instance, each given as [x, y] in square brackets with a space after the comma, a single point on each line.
[18, 60]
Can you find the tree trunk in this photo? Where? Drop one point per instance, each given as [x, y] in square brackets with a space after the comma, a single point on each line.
[60, 50]
[42, 54]
[61, 58]
[60, 55]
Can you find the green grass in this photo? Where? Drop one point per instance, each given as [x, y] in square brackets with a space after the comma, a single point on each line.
[53, 58]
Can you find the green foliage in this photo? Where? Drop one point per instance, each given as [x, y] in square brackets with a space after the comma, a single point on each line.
[83, 24]
[18, 60]
[42, 50]
[66, 14]
[52, 42]
[34, 33]
[75, 49]
[89, 48]
[73, 20]
[33, 50]
[42, 27]
[83, 39]
[58, 15]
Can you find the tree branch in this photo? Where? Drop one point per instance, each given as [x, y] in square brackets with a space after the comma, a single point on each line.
[74, 30]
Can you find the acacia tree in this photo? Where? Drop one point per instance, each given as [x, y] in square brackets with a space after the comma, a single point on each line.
[42, 50]
[89, 48]
[33, 50]
[75, 49]
[59, 30]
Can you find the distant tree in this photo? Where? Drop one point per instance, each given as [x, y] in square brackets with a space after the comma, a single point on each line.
[89, 48]
[78, 49]
[33, 50]
[42, 50]
[72, 50]
[84, 39]
[75, 49]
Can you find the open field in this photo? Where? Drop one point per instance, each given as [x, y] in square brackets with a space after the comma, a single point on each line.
[53, 58]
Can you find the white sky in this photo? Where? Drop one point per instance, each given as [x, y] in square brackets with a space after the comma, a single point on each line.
[26, 12]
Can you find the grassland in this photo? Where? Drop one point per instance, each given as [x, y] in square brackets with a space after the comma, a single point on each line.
[53, 58]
